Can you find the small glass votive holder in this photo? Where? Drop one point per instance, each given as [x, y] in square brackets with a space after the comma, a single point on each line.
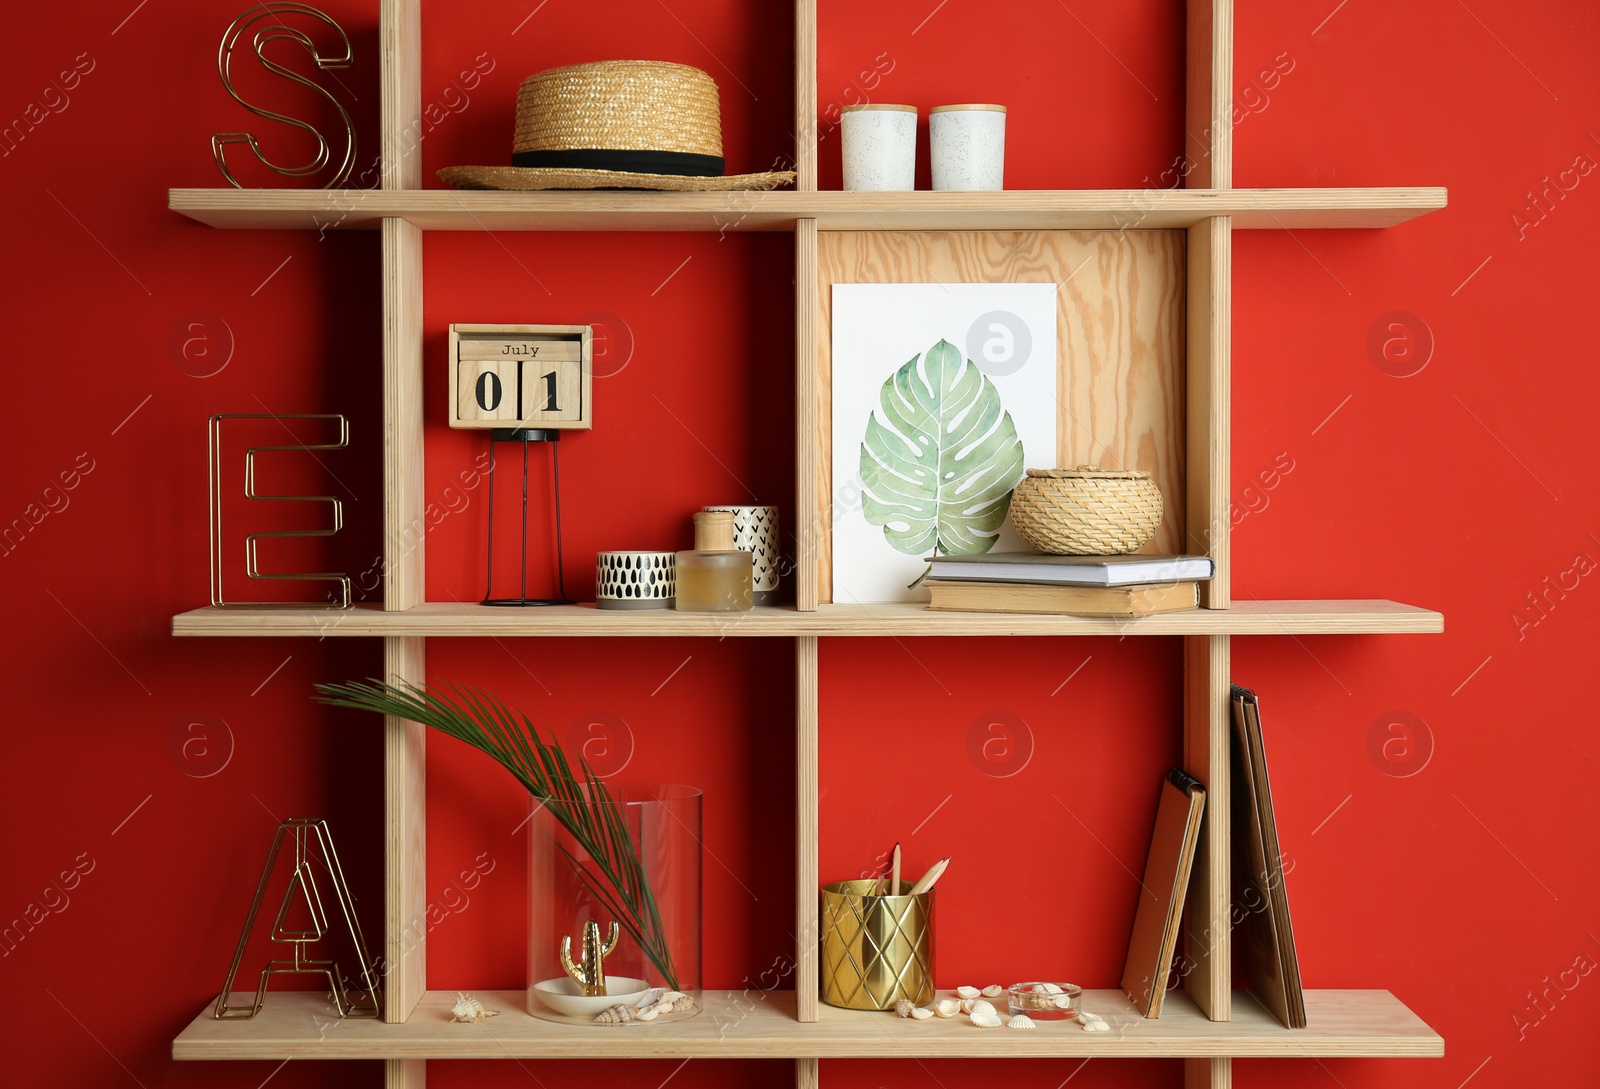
[1045, 1001]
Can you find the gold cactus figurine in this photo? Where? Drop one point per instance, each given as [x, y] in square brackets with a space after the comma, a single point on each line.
[591, 973]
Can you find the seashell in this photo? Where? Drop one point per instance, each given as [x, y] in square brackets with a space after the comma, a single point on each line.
[985, 1020]
[682, 1004]
[1093, 1022]
[904, 1007]
[648, 1013]
[947, 1007]
[966, 1004]
[1021, 1021]
[1050, 988]
[968, 992]
[616, 1015]
[993, 990]
[669, 996]
[980, 1006]
[921, 1014]
[469, 1009]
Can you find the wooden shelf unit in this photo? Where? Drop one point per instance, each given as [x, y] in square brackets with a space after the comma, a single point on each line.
[437, 619]
[1208, 1025]
[1037, 210]
[762, 1025]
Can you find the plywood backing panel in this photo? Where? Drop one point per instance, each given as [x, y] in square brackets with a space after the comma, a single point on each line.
[1119, 341]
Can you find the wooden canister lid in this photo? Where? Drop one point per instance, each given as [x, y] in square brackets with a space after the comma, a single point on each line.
[713, 531]
[879, 106]
[990, 106]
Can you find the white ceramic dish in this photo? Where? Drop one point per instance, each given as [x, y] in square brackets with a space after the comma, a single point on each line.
[565, 997]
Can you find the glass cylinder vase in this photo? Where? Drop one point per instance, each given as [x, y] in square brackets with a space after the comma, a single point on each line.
[614, 901]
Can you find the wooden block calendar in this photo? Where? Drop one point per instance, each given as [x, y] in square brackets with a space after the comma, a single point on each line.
[517, 376]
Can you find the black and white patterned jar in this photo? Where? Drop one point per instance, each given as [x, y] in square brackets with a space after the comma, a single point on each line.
[635, 580]
[755, 530]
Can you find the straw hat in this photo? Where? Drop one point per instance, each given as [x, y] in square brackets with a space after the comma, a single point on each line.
[616, 125]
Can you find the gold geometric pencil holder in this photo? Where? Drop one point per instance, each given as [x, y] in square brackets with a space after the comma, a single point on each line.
[876, 950]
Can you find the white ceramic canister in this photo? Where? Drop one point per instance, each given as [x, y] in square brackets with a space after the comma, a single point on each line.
[968, 146]
[880, 146]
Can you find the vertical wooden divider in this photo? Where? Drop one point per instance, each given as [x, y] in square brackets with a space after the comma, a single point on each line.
[1207, 426]
[1208, 118]
[806, 873]
[405, 831]
[1205, 756]
[809, 489]
[405, 853]
[400, 87]
[805, 95]
[808, 530]
[1208, 94]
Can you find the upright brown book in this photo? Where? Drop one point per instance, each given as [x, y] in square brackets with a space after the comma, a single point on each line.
[1159, 919]
[1264, 937]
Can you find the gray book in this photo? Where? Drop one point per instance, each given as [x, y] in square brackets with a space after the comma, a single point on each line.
[1072, 570]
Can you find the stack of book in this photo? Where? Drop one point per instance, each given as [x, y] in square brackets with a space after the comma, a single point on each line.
[1036, 582]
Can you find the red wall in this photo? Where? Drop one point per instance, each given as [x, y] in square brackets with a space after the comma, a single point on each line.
[1466, 887]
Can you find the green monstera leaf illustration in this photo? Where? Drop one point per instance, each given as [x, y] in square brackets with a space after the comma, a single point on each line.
[940, 458]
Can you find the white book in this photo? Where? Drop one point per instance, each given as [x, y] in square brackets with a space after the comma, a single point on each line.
[1072, 570]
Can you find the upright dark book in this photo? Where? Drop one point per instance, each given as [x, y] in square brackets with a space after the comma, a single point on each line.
[1264, 937]
[1159, 917]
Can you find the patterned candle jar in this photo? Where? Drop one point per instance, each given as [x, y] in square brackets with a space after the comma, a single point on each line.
[635, 580]
[755, 530]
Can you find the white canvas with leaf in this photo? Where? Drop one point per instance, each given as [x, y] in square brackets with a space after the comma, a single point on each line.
[942, 395]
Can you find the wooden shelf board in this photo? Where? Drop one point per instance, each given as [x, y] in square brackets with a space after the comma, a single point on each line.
[761, 1025]
[451, 619]
[1142, 209]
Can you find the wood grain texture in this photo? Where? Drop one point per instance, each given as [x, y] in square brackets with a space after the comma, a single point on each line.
[296, 1024]
[1208, 1074]
[1208, 409]
[811, 493]
[405, 531]
[405, 1074]
[805, 95]
[807, 1074]
[1207, 922]
[400, 85]
[807, 880]
[1208, 94]
[1119, 339]
[1017, 210]
[405, 956]
[1254, 617]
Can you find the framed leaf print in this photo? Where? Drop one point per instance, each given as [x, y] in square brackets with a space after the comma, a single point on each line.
[942, 395]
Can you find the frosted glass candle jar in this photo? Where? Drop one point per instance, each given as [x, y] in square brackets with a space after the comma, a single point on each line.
[880, 146]
[968, 146]
[755, 530]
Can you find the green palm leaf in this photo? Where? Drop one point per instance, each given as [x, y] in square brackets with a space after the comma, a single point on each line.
[614, 873]
[940, 458]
